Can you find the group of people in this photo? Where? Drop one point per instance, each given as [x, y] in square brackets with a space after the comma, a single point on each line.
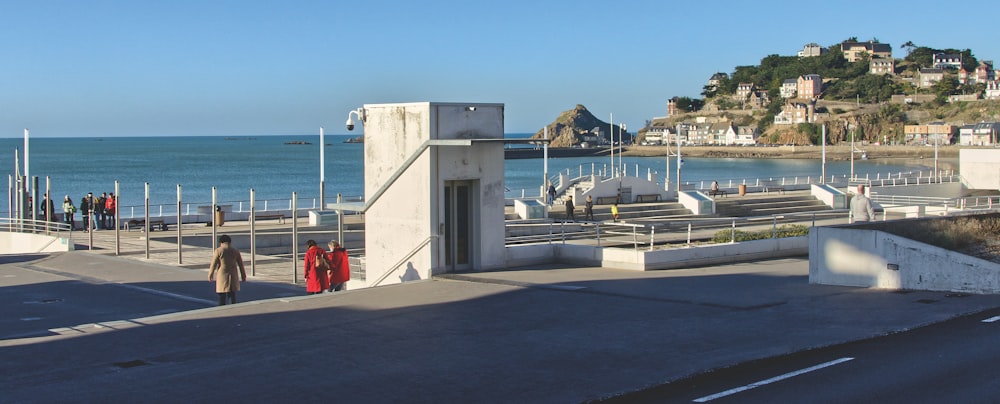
[97, 211]
[324, 270]
[588, 208]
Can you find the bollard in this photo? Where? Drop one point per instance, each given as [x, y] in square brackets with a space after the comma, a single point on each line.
[732, 233]
[652, 237]
[689, 234]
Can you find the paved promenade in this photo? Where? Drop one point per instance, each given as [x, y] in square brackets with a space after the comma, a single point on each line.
[83, 326]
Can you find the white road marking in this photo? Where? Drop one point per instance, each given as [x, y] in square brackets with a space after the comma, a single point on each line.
[991, 319]
[771, 380]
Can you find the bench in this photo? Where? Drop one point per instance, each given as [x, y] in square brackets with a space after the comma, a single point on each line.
[270, 216]
[768, 187]
[605, 200]
[141, 224]
[647, 198]
[717, 192]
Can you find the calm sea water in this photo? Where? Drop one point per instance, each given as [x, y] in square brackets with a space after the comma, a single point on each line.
[275, 170]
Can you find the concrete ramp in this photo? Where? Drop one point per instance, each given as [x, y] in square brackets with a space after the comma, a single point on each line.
[29, 243]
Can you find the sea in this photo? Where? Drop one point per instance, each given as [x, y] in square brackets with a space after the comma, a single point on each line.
[275, 167]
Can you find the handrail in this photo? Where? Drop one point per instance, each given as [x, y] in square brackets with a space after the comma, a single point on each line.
[406, 165]
[405, 258]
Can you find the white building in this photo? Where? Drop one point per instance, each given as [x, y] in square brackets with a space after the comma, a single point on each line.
[435, 189]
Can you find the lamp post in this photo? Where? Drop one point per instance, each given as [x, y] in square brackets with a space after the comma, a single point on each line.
[611, 132]
[621, 128]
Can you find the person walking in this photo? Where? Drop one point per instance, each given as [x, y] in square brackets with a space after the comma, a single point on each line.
[225, 261]
[340, 267]
[569, 208]
[552, 194]
[315, 268]
[99, 209]
[861, 207]
[588, 208]
[69, 210]
[614, 211]
[86, 207]
[110, 208]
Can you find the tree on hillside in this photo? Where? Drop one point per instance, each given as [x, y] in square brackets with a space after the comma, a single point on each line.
[908, 46]
[688, 104]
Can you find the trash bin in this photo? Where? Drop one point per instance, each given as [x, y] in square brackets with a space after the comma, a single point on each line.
[743, 189]
[220, 216]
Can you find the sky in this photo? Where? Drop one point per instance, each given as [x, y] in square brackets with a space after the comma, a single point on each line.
[231, 68]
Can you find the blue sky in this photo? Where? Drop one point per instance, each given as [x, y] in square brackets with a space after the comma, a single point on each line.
[188, 68]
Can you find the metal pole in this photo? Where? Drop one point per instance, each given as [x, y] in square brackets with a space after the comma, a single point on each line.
[680, 161]
[545, 163]
[48, 202]
[215, 223]
[652, 237]
[852, 154]
[823, 142]
[115, 216]
[253, 234]
[322, 170]
[733, 232]
[689, 234]
[145, 223]
[340, 220]
[598, 234]
[611, 130]
[295, 237]
[180, 236]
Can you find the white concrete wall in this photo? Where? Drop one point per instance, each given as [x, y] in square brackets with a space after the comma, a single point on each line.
[980, 168]
[27, 243]
[830, 196]
[645, 260]
[865, 258]
[697, 202]
[412, 210]
[944, 190]
[606, 187]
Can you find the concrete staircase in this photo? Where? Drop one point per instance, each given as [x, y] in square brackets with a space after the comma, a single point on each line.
[625, 211]
[768, 205]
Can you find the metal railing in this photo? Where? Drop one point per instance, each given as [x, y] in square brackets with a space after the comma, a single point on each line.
[15, 225]
[671, 233]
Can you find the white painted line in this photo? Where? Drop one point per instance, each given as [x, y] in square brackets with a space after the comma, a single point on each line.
[992, 319]
[771, 380]
[168, 294]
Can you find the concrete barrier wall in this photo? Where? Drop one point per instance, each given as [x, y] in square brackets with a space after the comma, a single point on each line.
[645, 260]
[27, 243]
[870, 258]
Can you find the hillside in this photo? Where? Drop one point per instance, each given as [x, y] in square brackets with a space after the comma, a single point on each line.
[853, 101]
[575, 126]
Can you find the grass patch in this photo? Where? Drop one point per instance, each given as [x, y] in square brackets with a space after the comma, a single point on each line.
[785, 230]
[955, 233]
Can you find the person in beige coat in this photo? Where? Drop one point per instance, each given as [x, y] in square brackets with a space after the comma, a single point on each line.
[226, 261]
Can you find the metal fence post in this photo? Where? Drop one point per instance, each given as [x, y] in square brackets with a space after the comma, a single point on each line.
[733, 232]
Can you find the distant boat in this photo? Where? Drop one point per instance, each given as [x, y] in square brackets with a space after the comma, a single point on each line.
[297, 142]
[356, 139]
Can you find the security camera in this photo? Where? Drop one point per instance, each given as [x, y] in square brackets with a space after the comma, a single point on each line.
[350, 123]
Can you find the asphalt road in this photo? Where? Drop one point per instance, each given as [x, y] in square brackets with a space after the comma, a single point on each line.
[954, 361]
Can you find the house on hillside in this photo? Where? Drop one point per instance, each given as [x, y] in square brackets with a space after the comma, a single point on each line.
[942, 132]
[812, 49]
[722, 133]
[716, 80]
[746, 135]
[789, 88]
[743, 91]
[984, 73]
[927, 77]
[854, 50]
[980, 134]
[809, 86]
[992, 90]
[946, 61]
[882, 66]
[794, 113]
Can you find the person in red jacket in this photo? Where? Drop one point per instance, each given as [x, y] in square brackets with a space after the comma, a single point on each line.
[315, 276]
[340, 267]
